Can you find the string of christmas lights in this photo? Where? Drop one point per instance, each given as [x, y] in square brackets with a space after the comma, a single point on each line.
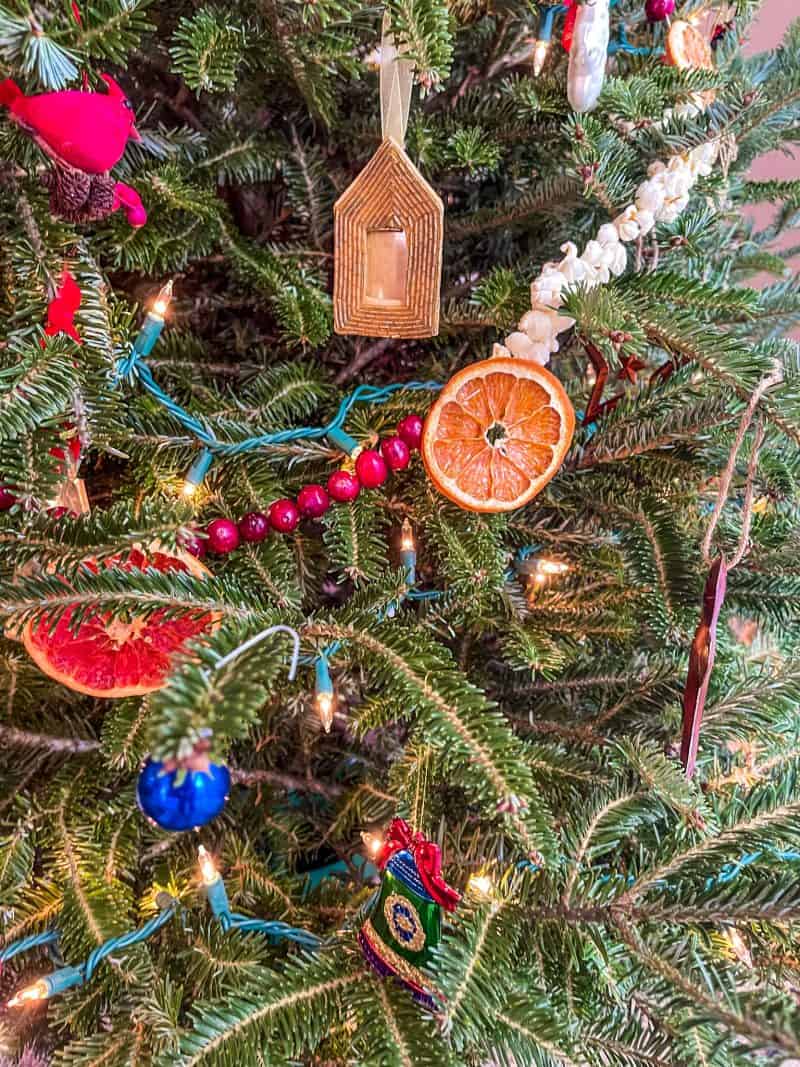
[481, 883]
[68, 977]
[134, 366]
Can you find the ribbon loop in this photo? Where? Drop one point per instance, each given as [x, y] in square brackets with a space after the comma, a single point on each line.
[397, 80]
[428, 858]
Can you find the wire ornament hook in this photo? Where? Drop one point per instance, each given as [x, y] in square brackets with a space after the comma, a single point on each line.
[251, 642]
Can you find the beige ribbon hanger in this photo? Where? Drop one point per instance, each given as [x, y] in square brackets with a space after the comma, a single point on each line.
[397, 80]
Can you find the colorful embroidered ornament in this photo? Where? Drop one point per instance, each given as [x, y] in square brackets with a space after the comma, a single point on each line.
[406, 921]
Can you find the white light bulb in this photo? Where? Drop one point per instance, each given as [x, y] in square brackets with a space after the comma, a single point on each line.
[373, 842]
[552, 566]
[326, 706]
[163, 300]
[480, 884]
[37, 991]
[407, 537]
[540, 53]
[207, 867]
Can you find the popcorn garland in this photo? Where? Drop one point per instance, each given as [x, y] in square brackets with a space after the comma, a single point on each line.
[662, 197]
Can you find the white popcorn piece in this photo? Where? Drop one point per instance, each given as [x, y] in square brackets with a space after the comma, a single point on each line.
[547, 288]
[542, 327]
[520, 345]
[615, 256]
[572, 266]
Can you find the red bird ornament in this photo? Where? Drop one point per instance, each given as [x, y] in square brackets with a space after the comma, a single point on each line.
[87, 131]
[84, 134]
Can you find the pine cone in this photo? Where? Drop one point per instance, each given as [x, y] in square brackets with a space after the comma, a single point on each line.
[101, 198]
[69, 190]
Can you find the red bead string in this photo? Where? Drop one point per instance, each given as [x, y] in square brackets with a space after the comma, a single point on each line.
[372, 468]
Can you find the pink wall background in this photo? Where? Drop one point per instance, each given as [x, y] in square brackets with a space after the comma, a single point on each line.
[767, 32]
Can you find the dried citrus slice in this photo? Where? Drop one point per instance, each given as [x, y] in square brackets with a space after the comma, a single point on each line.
[497, 434]
[687, 47]
[107, 657]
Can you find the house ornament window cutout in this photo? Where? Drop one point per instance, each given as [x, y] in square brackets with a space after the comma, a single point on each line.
[389, 229]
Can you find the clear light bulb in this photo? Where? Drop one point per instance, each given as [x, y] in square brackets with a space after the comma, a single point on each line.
[163, 300]
[481, 884]
[407, 543]
[207, 866]
[540, 52]
[326, 706]
[552, 566]
[37, 991]
[372, 842]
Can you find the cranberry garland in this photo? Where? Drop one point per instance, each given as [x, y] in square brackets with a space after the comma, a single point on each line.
[343, 486]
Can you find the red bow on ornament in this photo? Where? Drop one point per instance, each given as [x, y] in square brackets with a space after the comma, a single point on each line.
[428, 858]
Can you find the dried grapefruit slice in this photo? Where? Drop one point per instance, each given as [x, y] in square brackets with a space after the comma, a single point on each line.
[497, 434]
[106, 657]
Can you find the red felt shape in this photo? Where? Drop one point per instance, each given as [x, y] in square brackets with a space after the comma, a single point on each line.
[61, 309]
[127, 198]
[87, 131]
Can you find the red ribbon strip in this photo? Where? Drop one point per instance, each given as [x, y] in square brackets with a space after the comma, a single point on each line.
[569, 25]
[428, 858]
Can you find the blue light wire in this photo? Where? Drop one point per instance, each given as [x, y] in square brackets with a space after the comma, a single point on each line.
[64, 978]
[68, 977]
[217, 898]
[134, 366]
[25, 944]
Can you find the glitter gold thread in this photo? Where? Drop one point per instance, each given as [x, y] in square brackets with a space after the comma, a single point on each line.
[402, 968]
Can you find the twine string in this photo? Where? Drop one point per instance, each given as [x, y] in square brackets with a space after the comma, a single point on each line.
[727, 475]
[418, 811]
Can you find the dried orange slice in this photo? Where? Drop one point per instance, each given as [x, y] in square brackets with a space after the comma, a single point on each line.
[687, 48]
[497, 434]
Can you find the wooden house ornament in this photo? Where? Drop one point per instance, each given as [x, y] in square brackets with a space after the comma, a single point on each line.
[388, 230]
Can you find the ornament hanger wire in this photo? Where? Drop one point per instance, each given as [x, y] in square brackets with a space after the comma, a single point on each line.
[251, 642]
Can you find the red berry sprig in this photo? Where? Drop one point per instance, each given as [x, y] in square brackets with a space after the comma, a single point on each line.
[372, 468]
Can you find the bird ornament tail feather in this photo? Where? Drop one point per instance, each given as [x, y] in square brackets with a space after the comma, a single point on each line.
[9, 92]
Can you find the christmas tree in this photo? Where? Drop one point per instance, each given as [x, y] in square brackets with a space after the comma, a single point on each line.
[399, 602]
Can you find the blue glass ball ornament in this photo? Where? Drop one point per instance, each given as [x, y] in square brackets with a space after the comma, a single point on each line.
[198, 799]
